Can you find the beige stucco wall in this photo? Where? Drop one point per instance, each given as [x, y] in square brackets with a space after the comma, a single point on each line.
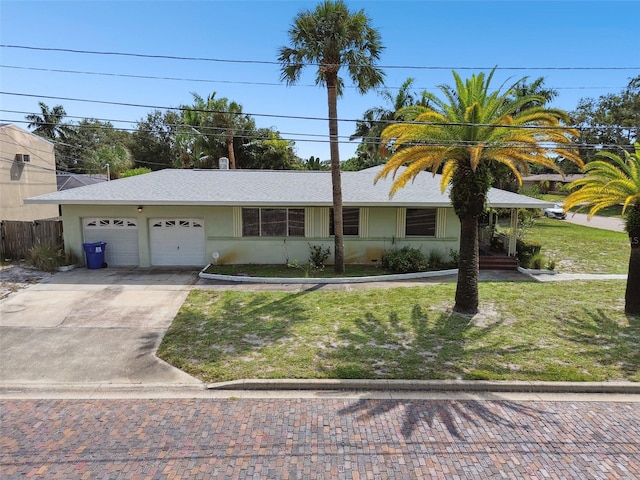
[222, 234]
[24, 180]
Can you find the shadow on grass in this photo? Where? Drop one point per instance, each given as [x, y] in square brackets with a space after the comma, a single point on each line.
[211, 328]
[606, 342]
[454, 416]
[430, 346]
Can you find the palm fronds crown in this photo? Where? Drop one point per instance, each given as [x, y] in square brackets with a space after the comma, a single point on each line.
[470, 128]
[610, 180]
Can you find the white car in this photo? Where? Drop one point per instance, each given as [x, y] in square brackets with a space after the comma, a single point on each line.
[555, 212]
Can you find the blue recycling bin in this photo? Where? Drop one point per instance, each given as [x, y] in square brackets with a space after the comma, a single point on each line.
[95, 254]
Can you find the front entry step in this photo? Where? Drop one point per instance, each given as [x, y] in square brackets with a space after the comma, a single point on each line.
[498, 262]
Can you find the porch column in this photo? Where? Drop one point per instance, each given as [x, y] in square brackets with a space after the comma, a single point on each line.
[514, 232]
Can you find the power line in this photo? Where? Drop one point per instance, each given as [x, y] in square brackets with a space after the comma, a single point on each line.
[365, 140]
[235, 82]
[324, 119]
[266, 62]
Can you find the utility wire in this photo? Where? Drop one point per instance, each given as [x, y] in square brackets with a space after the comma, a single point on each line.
[294, 117]
[265, 62]
[237, 82]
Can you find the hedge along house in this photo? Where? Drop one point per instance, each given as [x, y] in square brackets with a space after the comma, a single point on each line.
[189, 217]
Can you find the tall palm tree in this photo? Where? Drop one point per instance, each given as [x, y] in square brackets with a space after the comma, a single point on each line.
[49, 123]
[464, 135]
[331, 37]
[612, 181]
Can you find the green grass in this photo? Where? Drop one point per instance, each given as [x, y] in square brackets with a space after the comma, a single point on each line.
[579, 249]
[526, 331]
[565, 331]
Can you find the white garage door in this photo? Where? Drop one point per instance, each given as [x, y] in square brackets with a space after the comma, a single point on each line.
[121, 236]
[177, 241]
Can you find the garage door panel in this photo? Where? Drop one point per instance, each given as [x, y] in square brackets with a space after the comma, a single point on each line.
[120, 235]
[177, 241]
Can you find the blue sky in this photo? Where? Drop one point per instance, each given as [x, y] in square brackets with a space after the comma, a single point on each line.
[554, 39]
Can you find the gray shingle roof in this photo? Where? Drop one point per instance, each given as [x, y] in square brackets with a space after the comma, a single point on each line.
[267, 188]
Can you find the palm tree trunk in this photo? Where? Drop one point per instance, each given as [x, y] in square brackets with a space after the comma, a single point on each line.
[232, 155]
[632, 294]
[336, 182]
[468, 267]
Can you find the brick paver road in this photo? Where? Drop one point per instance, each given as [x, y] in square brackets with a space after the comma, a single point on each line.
[318, 438]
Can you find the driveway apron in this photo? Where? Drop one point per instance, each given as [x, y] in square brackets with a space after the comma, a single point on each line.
[92, 326]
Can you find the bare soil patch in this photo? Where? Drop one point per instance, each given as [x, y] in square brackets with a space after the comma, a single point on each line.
[16, 276]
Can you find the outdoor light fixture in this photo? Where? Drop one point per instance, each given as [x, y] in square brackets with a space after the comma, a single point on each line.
[140, 209]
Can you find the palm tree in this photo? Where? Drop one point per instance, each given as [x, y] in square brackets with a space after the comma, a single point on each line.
[331, 37]
[376, 119]
[464, 135]
[612, 181]
[49, 124]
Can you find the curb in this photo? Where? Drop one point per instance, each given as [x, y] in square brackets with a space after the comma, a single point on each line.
[307, 280]
[432, 386]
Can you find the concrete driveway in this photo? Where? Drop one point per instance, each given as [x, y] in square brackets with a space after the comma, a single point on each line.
[92, 326]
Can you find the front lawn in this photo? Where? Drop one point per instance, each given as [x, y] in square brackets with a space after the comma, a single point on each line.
[573, 331]
[579, 249]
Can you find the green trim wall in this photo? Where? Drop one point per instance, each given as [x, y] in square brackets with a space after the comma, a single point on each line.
[379, 230]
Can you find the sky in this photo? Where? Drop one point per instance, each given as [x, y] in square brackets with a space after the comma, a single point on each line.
[583, 49]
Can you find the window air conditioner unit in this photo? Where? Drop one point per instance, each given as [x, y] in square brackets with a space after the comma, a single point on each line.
[23, 157]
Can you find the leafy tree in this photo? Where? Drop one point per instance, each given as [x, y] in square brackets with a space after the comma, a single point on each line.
[114, 159]
[465, 134]
[267, 150]
[49, 124]
[152, 144]
[613, 180]
[374, 120]
[332, 37]
[610, 122]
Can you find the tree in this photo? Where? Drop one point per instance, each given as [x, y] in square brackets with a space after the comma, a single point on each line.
[49, 124]
[219, 122]
[375, 119]
[465, 134]
[331, 37]
[114, 159]
[611, 122]
[611, 181]
[314, 163]
[152, 144]
[268, 151]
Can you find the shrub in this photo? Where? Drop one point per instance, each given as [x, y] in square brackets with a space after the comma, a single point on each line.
[404, 260]
[318, 255]
[536, 262]
[454, 255]
[526, 251]
[436, 259]
[135, 171]
[48, 258]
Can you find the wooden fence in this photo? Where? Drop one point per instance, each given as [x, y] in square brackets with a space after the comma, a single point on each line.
[17, 238]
